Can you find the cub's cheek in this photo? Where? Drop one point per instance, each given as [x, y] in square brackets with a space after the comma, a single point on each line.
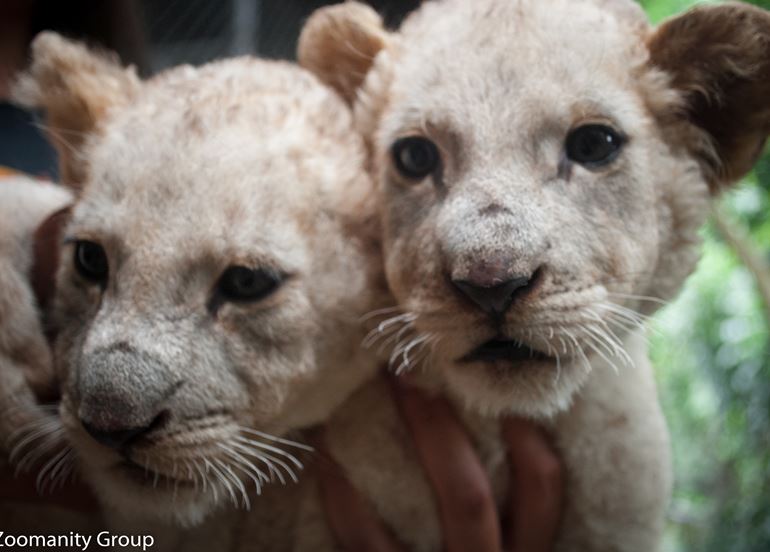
[412, 266]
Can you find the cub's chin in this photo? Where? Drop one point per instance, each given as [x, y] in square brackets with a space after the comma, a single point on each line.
[502, 377]
[137, 494]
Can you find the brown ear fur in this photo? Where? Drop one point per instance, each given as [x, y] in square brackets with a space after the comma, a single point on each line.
[75, 87]
[339, 44]
[718, 57]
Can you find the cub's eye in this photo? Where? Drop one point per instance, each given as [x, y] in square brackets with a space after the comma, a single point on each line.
[594, 146]
[242, 284]
[91, 261]
[415, 157]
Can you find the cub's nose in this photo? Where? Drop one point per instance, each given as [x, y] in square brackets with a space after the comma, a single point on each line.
[115, 438]
[495, 295]
[124, 394]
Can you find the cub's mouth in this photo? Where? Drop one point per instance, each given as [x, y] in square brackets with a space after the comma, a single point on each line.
[142, 475]
[507, 350]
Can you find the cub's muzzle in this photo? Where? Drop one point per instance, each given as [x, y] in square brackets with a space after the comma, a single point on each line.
[123, 394]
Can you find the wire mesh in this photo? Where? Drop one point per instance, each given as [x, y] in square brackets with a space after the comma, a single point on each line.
[197, 31]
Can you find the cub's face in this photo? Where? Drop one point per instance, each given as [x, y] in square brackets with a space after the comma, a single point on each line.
[527, 193]
[211, 286]
[540, 185]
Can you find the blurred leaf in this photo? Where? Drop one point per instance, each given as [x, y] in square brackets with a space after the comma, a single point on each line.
[712, 357]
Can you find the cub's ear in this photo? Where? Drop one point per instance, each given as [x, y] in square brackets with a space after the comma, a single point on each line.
[718, 58]
[75, 87]
[339, 43]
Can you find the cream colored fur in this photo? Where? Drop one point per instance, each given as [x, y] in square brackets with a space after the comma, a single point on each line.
[245, 161]
[497, 85]
[238, 163]
[616, 456]
[25, 361]
[30, 435]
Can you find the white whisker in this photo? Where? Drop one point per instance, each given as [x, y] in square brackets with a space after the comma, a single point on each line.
[211, 468]
[648, 298]
[276, 439]
[379, 312]
[256, 444]
[50, 465]
[395, 337]
[44, 428]
[608, 341]
[563, 344]
[191, 475]
[406, 363]
[269, 460]
[67, 472]
[386, 327]
[204, 477]
[60, 467]
[256, 475]
[238, 483]
[50, 442]
[590, 343]
[632, 316]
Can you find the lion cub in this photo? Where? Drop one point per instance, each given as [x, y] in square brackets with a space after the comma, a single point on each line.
[544, 167]
[217, 262]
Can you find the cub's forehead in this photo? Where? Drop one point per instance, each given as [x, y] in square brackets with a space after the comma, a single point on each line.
[208, 207]
[525, 25]
[517, 60]
[233, 152]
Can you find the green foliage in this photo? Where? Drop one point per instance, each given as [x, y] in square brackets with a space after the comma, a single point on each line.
[713, 360]
[712, 355]
[661, 9]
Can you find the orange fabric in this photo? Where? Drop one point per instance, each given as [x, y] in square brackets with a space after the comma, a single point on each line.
[6, 172]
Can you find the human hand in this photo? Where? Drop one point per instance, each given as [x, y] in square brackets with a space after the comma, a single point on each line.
[464, 495]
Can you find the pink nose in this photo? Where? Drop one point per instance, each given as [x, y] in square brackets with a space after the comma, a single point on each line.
[494, 299]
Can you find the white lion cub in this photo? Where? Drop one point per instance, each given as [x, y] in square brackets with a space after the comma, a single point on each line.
[217, 262]
[543, 168]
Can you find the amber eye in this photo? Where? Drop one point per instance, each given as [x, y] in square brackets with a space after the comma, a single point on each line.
[91, 261]
[242, 284]
[415, 157]
[594, 146]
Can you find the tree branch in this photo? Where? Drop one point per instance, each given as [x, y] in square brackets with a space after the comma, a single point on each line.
[741, 243]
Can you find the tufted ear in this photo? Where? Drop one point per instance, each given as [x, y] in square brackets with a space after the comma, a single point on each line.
[75, 87]
[339, 43]
[718, 58]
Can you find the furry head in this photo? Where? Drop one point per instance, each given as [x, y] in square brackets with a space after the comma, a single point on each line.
[544, 167]
[215, 267]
